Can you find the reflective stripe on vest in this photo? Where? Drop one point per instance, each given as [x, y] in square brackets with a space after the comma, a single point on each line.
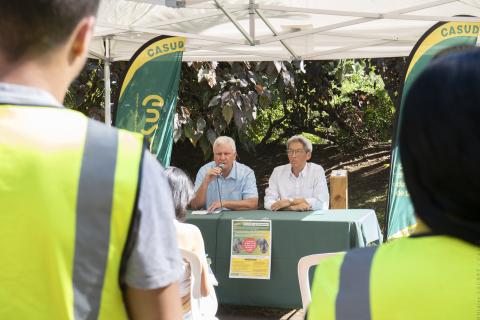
[94, 207]
[353, 299]
[420, 278]
[68, 187]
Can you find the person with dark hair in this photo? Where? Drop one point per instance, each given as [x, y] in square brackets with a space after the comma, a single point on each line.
[86, 227]
[189, 238]
[434, 273]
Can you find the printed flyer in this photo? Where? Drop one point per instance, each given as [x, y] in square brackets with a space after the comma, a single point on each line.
[251, 246]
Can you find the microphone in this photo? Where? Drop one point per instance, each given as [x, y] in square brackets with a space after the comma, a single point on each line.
[221, 166]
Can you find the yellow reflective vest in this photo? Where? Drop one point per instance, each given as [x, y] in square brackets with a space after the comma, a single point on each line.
[68, 187]
[417, 278]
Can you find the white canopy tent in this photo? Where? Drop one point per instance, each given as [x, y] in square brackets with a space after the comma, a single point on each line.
[258, 30]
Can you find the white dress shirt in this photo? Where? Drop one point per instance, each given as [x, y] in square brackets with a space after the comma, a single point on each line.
[310, 184]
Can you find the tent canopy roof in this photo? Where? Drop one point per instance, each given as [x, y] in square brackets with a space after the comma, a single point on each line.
[257, 30]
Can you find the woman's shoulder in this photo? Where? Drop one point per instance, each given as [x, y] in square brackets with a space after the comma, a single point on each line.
[189, 233]
[188, 227]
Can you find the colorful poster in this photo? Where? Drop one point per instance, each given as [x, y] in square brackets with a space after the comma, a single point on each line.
[148, 95]
[441, 38]
[251, 249]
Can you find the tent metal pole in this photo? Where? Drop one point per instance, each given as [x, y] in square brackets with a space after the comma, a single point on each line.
[236, 24]
[251, 16]
[96, 55]
[118, 28]
[345, 49]
[190, 19]
[363, 14]
[397, 14]
[284, 43]
[106, 77]
[329, 27]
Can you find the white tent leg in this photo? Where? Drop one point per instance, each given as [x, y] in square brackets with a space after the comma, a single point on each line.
[251, 16]
[106, 77]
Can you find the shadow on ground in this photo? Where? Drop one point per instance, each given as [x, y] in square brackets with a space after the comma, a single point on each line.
[229, 312]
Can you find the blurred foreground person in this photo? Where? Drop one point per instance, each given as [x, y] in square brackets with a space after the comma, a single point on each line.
[434, 273]
[190, 238]
[83, 232]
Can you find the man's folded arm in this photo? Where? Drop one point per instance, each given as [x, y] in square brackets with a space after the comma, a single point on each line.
[245, 204]
[271, 193]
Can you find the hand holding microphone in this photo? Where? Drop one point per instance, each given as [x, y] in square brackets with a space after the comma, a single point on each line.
[221, 166]
[215, 171]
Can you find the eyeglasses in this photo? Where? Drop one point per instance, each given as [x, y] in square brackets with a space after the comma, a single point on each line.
[297, 151]
[226, 154]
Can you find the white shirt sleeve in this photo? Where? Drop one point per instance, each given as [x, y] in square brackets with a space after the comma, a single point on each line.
[321, 198]
[272, 193]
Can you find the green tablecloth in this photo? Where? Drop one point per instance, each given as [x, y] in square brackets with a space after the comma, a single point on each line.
[294, 235]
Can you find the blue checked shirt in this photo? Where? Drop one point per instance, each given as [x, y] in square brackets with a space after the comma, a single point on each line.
[240, 184]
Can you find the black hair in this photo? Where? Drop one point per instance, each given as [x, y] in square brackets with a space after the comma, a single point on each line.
[440, 145]
[32, 27]
[182, 190]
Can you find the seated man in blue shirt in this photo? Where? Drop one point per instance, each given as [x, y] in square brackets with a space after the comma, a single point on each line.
[225, 183]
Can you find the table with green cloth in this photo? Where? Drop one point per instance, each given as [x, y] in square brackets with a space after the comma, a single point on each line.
[294, 235]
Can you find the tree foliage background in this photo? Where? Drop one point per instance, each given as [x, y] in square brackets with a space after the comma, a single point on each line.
[348, 103]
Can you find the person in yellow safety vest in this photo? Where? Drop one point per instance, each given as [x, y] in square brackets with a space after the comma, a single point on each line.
[86, 214]
[434, 274]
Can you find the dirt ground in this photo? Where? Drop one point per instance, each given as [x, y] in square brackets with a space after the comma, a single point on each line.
[368, 173]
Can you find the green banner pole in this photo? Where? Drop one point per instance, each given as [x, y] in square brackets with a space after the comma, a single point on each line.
[147, 99]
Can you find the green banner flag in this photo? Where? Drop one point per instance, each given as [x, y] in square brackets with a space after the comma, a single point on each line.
[148, 95]
[439, 39]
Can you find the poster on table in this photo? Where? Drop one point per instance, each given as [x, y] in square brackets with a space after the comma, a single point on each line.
[148, 94]
[442, 38]
[251, 249]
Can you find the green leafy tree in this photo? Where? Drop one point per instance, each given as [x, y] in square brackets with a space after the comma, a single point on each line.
[345, 102]
[222, 99]
[87, 92]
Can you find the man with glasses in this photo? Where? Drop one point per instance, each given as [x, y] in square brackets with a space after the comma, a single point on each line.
[225, 183]
[299, 185]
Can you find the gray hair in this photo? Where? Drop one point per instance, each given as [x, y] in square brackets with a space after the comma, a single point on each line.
[182, 191]
[225, 140]
[307, 144]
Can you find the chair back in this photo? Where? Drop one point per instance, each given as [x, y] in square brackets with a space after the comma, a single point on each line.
[304, 265]
[196, 278]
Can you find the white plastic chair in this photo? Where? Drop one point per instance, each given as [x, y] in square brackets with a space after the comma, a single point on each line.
[304, 265]
[203, 308]
[195, 281]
